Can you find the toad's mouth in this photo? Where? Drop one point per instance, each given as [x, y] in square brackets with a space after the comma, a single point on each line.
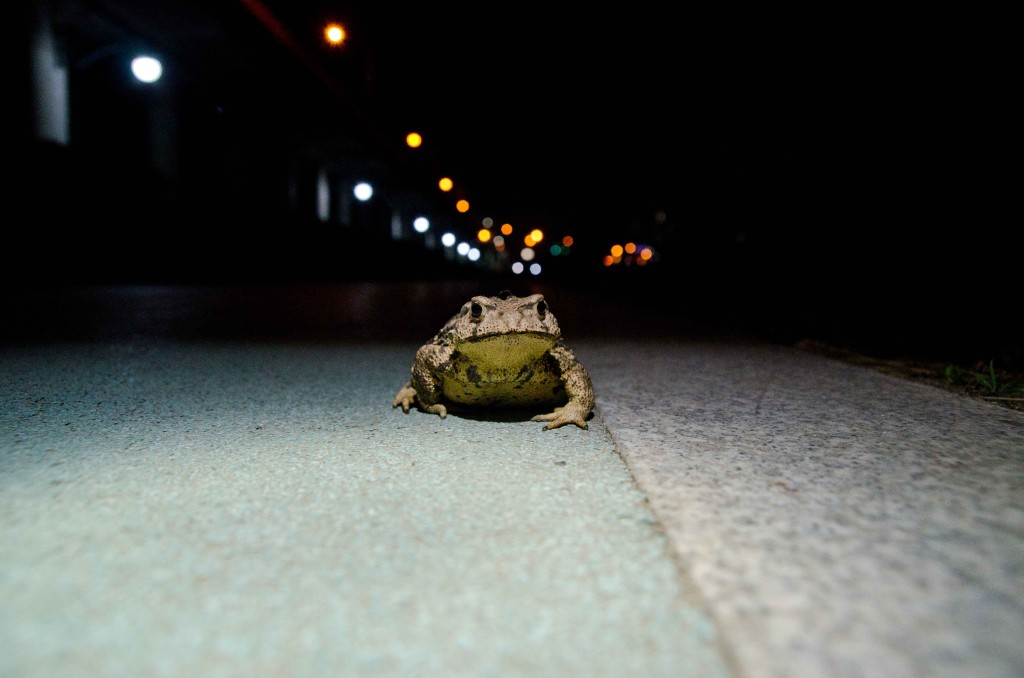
[506, 350]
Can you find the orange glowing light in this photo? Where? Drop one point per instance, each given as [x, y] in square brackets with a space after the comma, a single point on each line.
[630, 247]
[334, 34]
[483, 235]
[445, 184]
[462, 205]
[608, 260]
[567, 241]
[414, 139]
[529, 241]
[616, 251]
[646, 253]
[506, 229]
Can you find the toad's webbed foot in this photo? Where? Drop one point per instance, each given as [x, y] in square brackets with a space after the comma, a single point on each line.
[406, 398]
[570, 413]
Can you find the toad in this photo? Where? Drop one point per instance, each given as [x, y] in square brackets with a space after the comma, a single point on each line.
[500, 353]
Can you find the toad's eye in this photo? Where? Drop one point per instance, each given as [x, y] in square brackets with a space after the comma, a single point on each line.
[542, 308]
[504, 294]
[476, 310]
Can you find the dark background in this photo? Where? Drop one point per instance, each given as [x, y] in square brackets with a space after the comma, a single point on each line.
[840, 174]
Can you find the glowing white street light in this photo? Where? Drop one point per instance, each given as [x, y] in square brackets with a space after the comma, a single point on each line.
[147, 68]
[363, 191]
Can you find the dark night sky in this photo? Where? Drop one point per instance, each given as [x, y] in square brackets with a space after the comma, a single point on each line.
[538, 111]
[716, 115]
[870, 137]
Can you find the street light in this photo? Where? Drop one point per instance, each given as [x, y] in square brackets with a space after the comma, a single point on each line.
[334, 34]
[147, 69]
[363, 191]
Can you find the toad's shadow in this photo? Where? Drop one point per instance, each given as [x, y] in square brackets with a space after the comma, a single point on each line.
[502, 416]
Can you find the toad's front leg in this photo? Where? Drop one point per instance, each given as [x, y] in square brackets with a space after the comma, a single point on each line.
[423, 389]
[578, 388]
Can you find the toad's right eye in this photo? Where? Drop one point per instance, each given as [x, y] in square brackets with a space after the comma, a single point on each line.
[476, 310]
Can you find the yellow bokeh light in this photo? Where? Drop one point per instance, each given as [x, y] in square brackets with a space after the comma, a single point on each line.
[506, 229]
[616, 251]
[537, 235]
[630, 247]
[483, 235]
[445, 184]
[413, 139]
[334, 34]
[462, 205]
[567, 241]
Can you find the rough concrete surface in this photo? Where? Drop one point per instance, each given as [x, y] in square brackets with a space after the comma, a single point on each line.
[212, 481]
[262, 510]
[840, 522]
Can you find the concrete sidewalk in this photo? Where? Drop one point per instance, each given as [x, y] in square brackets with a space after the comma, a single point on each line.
[838, 521]
[736, 508]
[263, 511]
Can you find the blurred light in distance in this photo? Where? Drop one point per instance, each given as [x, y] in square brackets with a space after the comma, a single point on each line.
[646, 253]
[555, 250]
[616, 251]
[445, 184]
[608, 260]
[323, 196]
[334, 34]
[413, 139]
[473, 254]
[421, 224]
[630, 247]
[526, 254]
[517, 267]
[483, 235]
[462, 205]
[363, 191]
[535, 268]
[537, 235]
[147, 69]
[499, 243]
[448, 239]
[506, 229]
[463, 248]
[487, 222]
[567, 241]
[528, 240]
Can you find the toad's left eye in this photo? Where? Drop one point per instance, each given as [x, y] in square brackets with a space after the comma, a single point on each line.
[542, 308]
[476, 310]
